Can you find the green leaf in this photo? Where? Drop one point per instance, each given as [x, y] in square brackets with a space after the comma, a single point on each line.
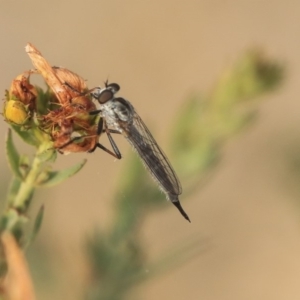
[13, 156]
[46, 152]
[38, 221]
[36, 227]
[13, 189]
[55, 177]
[26, 135]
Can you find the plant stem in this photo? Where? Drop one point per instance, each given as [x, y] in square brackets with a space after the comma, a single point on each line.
[27, 186]
[15, 214]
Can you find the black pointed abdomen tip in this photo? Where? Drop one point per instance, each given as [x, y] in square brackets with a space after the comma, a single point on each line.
[183, 213]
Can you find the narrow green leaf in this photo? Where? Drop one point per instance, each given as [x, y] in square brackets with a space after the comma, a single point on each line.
[36, 227]
[56, 177]
[13, 156]
[13, 189]
[38, 221]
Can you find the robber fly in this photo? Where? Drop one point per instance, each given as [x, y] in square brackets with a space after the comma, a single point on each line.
[119, 116]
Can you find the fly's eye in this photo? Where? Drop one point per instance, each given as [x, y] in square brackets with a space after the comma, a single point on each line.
[114, 87]
[105, 96]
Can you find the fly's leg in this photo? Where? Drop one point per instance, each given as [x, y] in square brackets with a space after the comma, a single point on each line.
[112, 131]
[117, 153]
[95, 112]
[98, 145]
[79, 93]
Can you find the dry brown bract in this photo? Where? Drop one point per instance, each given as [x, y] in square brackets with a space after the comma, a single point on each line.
[23, 90]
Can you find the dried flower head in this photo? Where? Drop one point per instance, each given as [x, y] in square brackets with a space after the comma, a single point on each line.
[65, 108]
[22, 90]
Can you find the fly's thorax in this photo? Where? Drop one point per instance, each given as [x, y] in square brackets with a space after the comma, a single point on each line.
[118, 113]
[123, 110]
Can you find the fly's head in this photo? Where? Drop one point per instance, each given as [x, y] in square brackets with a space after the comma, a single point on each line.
[106, 94]
[117, 107]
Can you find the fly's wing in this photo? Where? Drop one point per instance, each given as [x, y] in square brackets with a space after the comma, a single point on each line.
[152, 155]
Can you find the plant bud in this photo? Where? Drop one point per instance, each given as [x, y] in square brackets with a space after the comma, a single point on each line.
[16, 112]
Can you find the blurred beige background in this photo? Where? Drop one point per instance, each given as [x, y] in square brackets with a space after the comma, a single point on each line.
[160, 52]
